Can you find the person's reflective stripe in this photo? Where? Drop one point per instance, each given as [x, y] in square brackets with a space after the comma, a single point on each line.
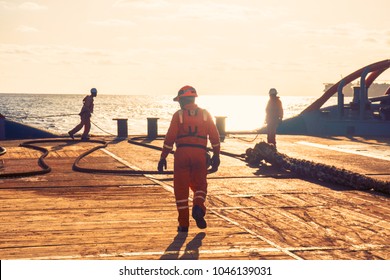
[181, 116]
[168, 147]
[200, 192]
[204, 115]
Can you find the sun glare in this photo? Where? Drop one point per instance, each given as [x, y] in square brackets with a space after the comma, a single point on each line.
[246, 115]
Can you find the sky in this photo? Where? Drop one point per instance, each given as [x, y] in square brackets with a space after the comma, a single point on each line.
[217, 46]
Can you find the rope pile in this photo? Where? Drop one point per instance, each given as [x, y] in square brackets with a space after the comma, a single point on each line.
[326, 173]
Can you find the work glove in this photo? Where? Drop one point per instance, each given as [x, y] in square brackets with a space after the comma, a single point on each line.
[162, 164]
[215, 162]
[208, 160]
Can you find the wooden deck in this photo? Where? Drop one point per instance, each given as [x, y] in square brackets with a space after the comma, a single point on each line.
[253, 213]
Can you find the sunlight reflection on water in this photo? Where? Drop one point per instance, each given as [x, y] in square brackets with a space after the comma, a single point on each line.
[242, 112]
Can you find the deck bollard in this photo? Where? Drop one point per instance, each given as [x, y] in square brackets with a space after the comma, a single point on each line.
[2, 127]
[220, 123]
[152, 128]
[122, 128]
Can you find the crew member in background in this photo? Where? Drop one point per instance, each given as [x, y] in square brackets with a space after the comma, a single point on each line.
[274, 115]
[190, 128]
[85, 116]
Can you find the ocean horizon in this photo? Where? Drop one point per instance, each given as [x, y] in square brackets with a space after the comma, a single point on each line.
[58, 113]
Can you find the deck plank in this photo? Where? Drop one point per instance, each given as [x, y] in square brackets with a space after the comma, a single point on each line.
[253, 213]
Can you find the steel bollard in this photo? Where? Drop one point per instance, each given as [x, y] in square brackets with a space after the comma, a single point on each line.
[152, 128]
[220, 123]
[122, 128]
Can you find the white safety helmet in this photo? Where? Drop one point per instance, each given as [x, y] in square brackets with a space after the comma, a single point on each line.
[273, 91]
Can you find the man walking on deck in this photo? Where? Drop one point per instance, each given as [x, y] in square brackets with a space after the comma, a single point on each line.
[190, 128]
[274, 115]
[85, 116]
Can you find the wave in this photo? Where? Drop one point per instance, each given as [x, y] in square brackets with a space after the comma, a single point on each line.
[58, 112]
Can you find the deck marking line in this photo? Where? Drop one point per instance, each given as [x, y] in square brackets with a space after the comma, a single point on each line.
[254, 250]
[121, 160]
[170, 188]
[286, 251]
[160, 253]
[349, 151]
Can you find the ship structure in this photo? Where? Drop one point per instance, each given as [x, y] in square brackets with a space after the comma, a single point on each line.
[365, 115]
[375, 90]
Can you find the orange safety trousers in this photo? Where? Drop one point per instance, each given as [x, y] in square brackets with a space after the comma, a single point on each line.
[271, 132]
[85, 121]
[190, 172]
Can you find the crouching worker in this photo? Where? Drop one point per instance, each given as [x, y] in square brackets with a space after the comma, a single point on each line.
[190, 128]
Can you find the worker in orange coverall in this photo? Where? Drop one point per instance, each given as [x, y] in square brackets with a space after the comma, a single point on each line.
[85, 116]
[274, 115]
[190, 128]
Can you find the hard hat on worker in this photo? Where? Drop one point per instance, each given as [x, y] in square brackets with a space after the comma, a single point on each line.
[273, 91]
[185, 91]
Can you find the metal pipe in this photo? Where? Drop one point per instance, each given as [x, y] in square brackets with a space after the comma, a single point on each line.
[220, 123]
[363, 94]
[340, 100]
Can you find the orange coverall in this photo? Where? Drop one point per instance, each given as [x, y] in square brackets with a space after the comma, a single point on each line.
[189, 129]
[274, 115]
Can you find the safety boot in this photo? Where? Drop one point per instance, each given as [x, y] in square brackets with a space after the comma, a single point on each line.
[198, 215]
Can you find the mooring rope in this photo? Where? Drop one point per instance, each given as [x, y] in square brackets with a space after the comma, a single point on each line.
[53, 116]
[2, 151]
[102, 129]
[319, 171]
[245, 140]
[38, 117]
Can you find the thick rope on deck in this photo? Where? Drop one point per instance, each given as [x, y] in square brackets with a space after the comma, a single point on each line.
[326, 173]
[2, 151]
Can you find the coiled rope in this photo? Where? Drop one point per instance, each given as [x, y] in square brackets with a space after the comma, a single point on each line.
[319, 171]
[104, 144]
[45, 168]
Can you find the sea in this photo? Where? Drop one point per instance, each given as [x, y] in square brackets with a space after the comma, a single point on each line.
[58, 113]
